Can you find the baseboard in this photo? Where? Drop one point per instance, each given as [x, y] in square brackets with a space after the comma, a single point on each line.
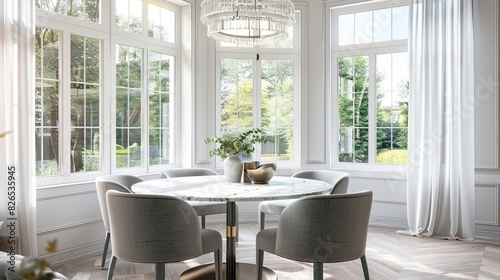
[489, 236]
[385, 222]
[479, 234]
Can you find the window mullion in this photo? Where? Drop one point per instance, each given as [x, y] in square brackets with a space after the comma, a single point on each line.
[257, 89]
[145, 108]
[65, 109]
[372, 109]
[256, 93]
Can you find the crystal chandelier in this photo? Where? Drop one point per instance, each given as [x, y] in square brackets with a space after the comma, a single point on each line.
[253, 22]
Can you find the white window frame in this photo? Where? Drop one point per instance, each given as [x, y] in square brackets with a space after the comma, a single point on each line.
[109, 35]
[296, 55]
[334, 51]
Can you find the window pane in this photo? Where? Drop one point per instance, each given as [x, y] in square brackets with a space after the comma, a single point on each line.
[129, 15]
[130, 154]
[353, 109]
[401, 72]
[353, 145]
[161, 23]
[363, 28]
[392, 108]
[85, 99]
[346, 29]
[47, 102]
[47, 163]
[161, 108]
[236, 93]
[82, 9]
[391, 150]
[277, 109]
[400, 23]
[91, 153]
[382, 25]
[128, 106]
[92, 67]
[47, 53]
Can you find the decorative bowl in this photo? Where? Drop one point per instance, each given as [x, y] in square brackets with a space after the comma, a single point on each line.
[263, 173]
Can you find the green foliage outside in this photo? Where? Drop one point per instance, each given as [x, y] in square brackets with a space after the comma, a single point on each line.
[276, 102]
[85, 93]
[353, 102]
[393, 157]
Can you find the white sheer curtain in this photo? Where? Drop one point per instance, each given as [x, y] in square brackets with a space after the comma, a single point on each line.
[17, 116]
[441, 120]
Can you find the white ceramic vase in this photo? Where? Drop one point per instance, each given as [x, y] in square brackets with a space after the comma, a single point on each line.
[233, 169]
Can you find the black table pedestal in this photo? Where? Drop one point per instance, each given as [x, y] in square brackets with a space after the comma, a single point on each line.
[231, 270]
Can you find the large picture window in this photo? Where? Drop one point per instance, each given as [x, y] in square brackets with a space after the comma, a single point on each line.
[260, 87]
[105, 92]
[370, 81]
[370, 84]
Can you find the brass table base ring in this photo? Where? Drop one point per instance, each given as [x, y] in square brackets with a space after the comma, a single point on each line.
[244, 271]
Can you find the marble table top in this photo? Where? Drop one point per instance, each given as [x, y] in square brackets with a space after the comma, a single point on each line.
[215, 188]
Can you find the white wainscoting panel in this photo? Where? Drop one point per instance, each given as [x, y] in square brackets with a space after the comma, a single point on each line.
[486, 200]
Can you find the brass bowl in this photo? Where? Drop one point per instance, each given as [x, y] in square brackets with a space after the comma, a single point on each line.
[263, 173]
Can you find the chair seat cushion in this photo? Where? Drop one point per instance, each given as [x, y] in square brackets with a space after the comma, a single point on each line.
[208, 207]
[274, 207]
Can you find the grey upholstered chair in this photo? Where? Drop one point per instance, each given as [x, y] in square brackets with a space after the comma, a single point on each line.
[121, 183]
[157, 229]
[320, 229]
[338, 179]
[202, 208]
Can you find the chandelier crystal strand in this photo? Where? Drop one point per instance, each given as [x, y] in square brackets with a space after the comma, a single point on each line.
[254, 22]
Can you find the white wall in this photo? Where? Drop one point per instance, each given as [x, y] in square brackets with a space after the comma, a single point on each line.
[486, 33]
[71, 214]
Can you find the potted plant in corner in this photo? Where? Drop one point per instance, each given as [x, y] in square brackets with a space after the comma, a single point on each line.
[230, 146]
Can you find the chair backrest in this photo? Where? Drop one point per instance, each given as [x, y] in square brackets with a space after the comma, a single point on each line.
[325, 228]
[183, 172]
[122, 183]
[152, 229]
[338, 179]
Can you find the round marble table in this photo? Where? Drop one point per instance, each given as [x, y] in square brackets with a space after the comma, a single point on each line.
[215, 188]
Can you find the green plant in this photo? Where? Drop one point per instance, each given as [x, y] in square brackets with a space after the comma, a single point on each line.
[235, 143]
[38, 268]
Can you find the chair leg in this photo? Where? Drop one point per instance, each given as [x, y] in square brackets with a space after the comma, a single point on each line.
[218, 264]
[262, 220]
[111, 268]
[202, 221]
[318, 271]
[105, 252]
[160, 271]
[365, 267]
[259, 264]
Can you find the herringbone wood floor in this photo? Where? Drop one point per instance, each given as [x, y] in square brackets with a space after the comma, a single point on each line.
[390, 256]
